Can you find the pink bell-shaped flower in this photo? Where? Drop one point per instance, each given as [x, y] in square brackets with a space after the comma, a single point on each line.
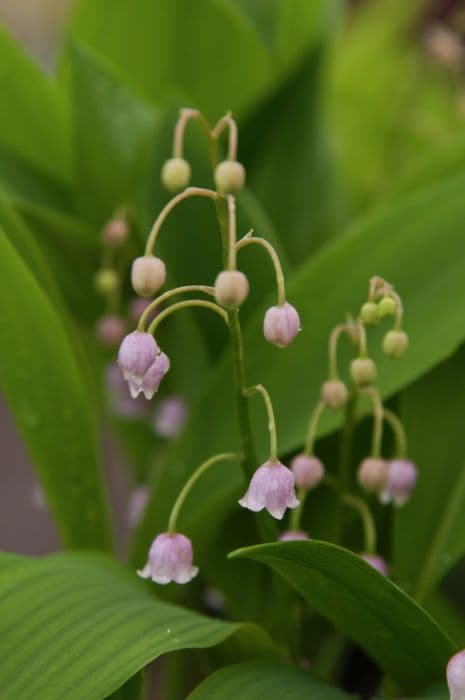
[400, 481]
[272, 487]
[292, 535]
[170, 559]
[456, 676]
[151, 379]
[377, 563]
[170, 416]
[136, 354]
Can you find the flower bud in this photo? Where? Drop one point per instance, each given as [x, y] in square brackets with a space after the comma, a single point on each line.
[170, 559]
[115, 232]
[110, 330]
[271, 487]
[369, 313]
[281, 325]
[377, 563]
[456, 676]
[175, 174]
[293, 535]
[231, 288]
[401, 479]
[106, 281]
[308, 471]
[387, 307]
[363, 371]
[334, 393]
[148, 275]
[229, 176]
[372, 474]
[395, 343]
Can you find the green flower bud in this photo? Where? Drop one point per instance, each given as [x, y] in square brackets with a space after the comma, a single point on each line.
[229, 176]
[334, 393]
[363, 371]
[369, 313]
[176, 174]
[231, 288]
[387, 307]
[395, 343]
[106, 281]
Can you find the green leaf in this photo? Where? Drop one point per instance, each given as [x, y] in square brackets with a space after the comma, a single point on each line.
[43, 385]
[162, 50]
[114, 135]
[24, 181]
[74, 621]
[291, 167]
[433, 411]
[399, 635]
[43, 139]
[258, 681]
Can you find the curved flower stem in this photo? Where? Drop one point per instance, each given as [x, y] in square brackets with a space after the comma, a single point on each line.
[369, 528]
[344, 474]
[231, 232]
[398, 430]
[190, 483]
[377, 419]
[312, 427]
[189, 192]
[184, 305]
[260, 389]
[332, 347]
[280, 284]
[296, 513]
[167, 295]
[362, 339]
[227, 122]
[186, 115]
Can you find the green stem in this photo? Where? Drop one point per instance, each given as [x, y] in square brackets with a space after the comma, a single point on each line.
[369, 529]
[296, 513]
[260, 389]
[190, 483]
[344, 458]
[280, 284]
[168, 208]
[312, 427]
[237, 348]
[332, 348]
[398, 430]
[377, 419]
[184, 305]
[167, 295]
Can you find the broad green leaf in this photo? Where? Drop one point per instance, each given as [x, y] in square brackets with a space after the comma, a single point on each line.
[114, 137]
[35, 122]
[426, 229]
[259, 681]
[82, 622]
[41, 379]
[448, 616]
[399, 635]
[63, 238]
[26, 245]
[24, 181]
[292, 167]
[432, 410]
[165, 49]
